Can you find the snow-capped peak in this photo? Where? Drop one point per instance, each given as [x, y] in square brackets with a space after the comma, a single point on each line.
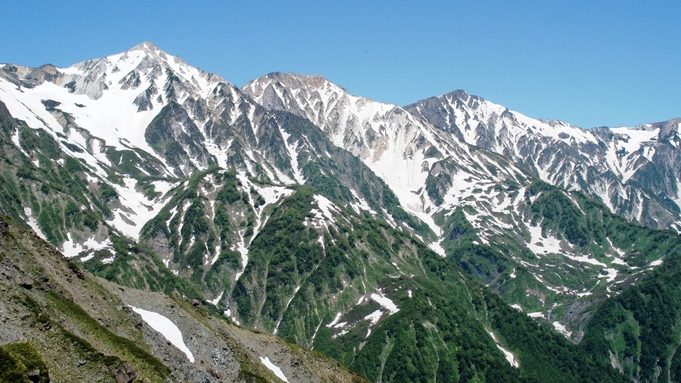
[144, 64]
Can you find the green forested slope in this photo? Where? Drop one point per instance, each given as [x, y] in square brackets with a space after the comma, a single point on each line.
[639, 330]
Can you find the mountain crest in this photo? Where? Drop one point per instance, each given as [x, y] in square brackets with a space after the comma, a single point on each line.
[144, 65]
[274, 89]
[151, 52]
[146, 46]
[314, 80]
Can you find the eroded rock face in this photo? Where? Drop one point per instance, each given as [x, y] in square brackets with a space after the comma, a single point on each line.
[31, 77]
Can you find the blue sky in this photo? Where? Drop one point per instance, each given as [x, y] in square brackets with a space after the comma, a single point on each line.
[591, 63]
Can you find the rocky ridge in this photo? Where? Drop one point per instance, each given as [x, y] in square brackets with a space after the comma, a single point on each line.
[634, 171]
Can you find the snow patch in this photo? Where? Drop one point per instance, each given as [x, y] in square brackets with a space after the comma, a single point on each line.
[72, 249]
[343, 332]
[243, 250]
[363, 205]
[327, 207]
[87, 258]
[611, 274]
[374, 317]
[437, 247]
[15, 140]
[108, 261]
[215, 301]
[334, 321]
[385, 302]
[562, 329]
[272, 194]
[31, 221]
[543, 245]
[274, 368]
[509, 355]
[165, 327]
[228, 314]
[218, 248]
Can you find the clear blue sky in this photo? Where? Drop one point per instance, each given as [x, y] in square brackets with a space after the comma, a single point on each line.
[591, 63]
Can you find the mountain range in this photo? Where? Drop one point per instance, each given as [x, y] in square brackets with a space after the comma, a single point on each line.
[451, 239]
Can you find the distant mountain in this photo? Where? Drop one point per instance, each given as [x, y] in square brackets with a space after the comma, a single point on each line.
[460, 189]
[349, 226]
[417, 161]
[634, 171]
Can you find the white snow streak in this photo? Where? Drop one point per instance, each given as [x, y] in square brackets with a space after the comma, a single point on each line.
[31, 221]
[334, 321]
[274, 368]
[297, 174]
[509, 355]
[138, 209]
[215, 301]
[167, 328]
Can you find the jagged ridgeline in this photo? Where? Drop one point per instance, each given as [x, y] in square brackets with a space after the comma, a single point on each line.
[633, 170]
[369, 233]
